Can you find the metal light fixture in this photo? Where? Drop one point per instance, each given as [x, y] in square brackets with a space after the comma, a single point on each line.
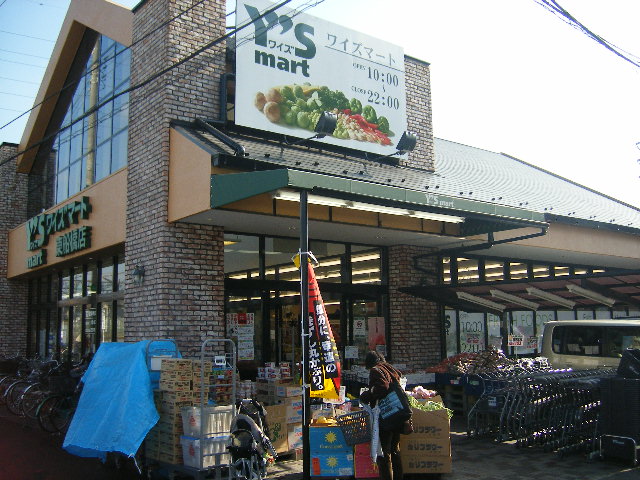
[480, 301]
[591, 295]
[326, 125]
[515, 299]
[365, 207]
[407, 142]
[550, 297]
[138, 275]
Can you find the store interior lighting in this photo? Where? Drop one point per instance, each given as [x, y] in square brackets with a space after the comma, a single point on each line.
[514, 299]
[550, 297]
[591, 295]
[480, 301]
[292, 196]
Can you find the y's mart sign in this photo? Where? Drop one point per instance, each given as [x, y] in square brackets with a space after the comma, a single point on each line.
[290, 67]
[41, 227]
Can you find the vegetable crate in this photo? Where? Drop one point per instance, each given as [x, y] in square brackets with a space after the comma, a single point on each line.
[355, 426]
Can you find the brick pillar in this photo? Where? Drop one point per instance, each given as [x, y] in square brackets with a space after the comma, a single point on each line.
[182, 294]
[13, 293]
[415, 324]
[418, 87]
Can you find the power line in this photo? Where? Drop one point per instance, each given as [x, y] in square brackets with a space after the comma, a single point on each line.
[107, 59]
[24, 54]
[17, 94]
[27, 36]
[19, 80]
[554, 7]
[150, 79]
[21, 63]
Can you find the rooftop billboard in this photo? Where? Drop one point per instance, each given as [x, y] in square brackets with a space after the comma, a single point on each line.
[290, 67]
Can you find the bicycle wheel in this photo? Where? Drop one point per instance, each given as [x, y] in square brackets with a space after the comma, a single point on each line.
[14, 395]
[5, 383]
[32, 399]
[54, 413]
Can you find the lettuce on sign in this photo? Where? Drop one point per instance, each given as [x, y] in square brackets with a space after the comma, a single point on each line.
[290, 67]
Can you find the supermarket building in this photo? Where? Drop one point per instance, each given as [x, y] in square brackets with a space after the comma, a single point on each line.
[149, 198]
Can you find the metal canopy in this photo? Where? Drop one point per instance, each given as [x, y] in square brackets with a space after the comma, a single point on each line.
[479, 216]
[622, 286]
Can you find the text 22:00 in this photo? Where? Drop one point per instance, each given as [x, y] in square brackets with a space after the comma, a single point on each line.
[377, 99]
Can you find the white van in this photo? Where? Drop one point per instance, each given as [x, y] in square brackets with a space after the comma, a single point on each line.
[584, 344]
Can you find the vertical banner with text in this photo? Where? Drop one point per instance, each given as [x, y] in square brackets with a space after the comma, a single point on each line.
[324, 361]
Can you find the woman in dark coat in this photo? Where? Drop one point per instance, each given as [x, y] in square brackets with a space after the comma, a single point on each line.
[381, 376]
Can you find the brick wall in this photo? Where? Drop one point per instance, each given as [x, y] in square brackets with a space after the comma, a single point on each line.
[415, 324]
[418, 87]
[182, 295]
[13, 293]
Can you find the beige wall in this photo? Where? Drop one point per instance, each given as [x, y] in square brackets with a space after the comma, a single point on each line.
[189, 178]
[107, 220]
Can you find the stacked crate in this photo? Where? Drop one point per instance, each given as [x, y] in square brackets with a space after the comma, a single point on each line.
[174, 393]
[330, 455]
[428, 448]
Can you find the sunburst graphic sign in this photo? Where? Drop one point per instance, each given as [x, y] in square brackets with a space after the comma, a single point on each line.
[330, 437]
[332, 462]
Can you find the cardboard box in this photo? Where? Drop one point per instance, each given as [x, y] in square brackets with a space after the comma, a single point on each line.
[294, 436]
[364, 466]
[430, 446]
[429, 424]
[279, 434]
[175, 397]
[326, 440]
[276, 412]
[421, 463]
[175, 376]
[177, 386]
[175, 364]
[288, 391]
[293, 407]
[339, 464]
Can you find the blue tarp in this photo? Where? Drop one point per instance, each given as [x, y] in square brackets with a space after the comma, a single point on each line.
[116, 409]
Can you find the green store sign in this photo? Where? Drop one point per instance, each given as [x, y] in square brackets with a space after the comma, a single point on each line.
[41, 227]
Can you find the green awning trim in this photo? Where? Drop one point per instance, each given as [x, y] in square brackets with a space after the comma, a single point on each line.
[232, 187]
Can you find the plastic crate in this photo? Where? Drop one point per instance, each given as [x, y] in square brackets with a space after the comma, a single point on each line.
[355, 426]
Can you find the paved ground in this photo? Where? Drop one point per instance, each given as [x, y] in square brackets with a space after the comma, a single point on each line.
[26, 453]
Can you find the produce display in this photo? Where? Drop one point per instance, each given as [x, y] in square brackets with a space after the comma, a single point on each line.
[486, 361]
[428, 406]
[300, 106]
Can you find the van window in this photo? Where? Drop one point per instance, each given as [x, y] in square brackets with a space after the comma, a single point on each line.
[586, 340]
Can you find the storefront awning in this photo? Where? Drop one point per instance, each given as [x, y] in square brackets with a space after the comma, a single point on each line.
[479, 217]
[606, 289]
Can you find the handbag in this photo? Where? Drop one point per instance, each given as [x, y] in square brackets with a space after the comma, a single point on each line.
[394, 408]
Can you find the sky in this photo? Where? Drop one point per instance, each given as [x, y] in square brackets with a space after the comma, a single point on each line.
[506, 76]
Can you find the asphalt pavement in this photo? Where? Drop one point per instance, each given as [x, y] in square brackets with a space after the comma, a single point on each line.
[27, 453]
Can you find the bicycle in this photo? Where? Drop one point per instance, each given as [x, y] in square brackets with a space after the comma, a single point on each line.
[55, 412]
[16, 392]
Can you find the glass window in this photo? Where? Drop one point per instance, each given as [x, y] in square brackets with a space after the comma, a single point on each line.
[241, 256]
[540, 271]
[331, 262]
[120, 276]
[120, 322]
[493, 270]
[584, 313]
[446, 270]
[92, 279]
[472, 337]
[559, 271]
[64, 332]
[494, 330]
[52, 334]
[368, 329]
[89, 343]
[112, 123]
[106, 322]
[76, 331]
[366, 265]
[65, 287]
[522, 323]
[542, 317]
[518, 270]
[603, 313]
[78, 283]
[106, 276]
[467, 270]
[451, 331]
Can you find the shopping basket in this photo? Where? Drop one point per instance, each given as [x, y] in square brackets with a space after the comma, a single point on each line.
[355, 426]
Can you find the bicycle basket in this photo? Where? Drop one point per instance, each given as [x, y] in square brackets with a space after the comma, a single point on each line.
[355, 426]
